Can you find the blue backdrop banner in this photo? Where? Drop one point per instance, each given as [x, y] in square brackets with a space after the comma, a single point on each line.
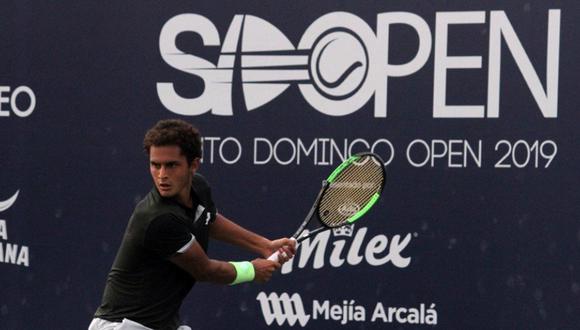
[472, 105]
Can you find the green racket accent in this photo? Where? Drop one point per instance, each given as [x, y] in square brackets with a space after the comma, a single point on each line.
[340, 168]
[365, 209]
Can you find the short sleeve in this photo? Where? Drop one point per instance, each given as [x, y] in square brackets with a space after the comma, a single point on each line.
[166, 235]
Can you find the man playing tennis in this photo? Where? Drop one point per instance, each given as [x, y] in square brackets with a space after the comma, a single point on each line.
[163, 252]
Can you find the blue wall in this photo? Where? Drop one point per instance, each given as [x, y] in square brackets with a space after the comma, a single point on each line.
[473, 105]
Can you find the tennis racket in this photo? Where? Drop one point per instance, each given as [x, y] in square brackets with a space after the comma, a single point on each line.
[348, 193]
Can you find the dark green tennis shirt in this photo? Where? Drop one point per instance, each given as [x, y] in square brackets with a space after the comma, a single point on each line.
[143, 285]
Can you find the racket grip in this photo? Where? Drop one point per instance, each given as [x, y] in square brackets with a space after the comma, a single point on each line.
[274, 256]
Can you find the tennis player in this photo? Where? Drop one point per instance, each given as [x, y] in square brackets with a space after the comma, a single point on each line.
[164, 248]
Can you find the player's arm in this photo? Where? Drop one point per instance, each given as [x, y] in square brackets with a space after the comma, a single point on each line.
[228, 231]
[196, 262]
[169, 238]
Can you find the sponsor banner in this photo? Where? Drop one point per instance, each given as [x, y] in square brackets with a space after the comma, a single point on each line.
[471, 105]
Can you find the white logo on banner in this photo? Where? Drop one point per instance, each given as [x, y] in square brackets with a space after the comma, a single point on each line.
[340, 63]
[11, 253]
[283, 308]
[5, 205]
[331, 64]
[291, 309]
[321, 250]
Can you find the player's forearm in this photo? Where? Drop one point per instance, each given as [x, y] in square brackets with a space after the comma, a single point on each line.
[227, 231]
[205, 269]
[219, 272]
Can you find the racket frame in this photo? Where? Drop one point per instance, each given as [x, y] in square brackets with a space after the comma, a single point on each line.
[298, 234]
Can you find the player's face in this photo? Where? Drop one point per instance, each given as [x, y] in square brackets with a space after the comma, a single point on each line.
[171, 173]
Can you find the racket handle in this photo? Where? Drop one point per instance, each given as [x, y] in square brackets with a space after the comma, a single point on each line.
[274, 256]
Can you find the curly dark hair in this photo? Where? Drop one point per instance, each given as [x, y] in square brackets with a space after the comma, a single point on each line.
[174, 132]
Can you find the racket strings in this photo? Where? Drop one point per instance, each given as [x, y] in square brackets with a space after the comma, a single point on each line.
[350, 191]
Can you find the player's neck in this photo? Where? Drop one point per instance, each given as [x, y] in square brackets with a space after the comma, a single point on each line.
[185, 199]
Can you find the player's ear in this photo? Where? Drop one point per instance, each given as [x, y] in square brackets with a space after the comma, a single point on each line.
[195, 163]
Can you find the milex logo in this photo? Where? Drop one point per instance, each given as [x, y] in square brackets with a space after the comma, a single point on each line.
[350, 246]
[291, 308]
